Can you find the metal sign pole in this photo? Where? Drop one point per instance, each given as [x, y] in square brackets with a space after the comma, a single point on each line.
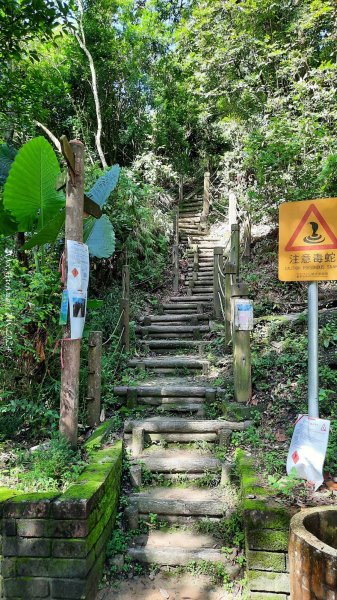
[313, 349]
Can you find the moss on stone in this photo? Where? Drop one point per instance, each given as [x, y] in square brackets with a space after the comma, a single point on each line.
[99, 436]
[266, 561]
[95, 474]
[6, 493]
[34, 497]
[233, 411]
[268, 539]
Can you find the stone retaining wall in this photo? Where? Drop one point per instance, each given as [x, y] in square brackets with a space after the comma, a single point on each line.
[53, 546]
[266, 527]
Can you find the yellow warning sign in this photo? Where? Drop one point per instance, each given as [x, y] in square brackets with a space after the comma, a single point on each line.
[308, 240]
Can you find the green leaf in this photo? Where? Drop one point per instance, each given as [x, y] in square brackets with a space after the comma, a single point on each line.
[7, 155]
[100, 238]
[29, 192]
[103, 187]
[48, 234]
[7, 224]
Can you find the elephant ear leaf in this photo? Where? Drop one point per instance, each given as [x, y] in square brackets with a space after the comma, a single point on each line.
[103, 187]
[7, 224]
[7, 156]
[48, 233]
[29, 193]
[99, 235]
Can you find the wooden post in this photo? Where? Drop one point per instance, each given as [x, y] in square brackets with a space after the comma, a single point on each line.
[218, 264]
[235, 247]
[205, 211]
[71, 348]
[125, 307]
[195, 249]
[94, 377]
[229, 270]
[181, 189]
[247, 237]
[232, 209]
[241, 355]
[175, 251]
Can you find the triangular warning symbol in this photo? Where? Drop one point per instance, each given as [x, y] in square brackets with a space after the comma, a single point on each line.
[316, 233]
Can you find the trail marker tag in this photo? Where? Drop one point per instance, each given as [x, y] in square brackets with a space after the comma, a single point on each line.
[308, 240]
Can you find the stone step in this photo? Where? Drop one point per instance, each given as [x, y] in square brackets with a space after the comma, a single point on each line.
[180, 548]
[175, 425]
[178, 461]
[176, 501]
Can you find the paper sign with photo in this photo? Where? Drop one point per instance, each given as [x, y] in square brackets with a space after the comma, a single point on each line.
[77, 286]
[78, 305]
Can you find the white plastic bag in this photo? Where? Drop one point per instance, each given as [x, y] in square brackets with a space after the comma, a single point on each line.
[308, 448]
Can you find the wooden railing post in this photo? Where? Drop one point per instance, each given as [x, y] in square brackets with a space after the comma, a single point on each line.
[232, 209]
[247, 237]
[125, 307]
[206, 202]
[181, 189]
[229, 271]
[195, 248]
[71, 349]
[235, 247]
[218, 264]
[175, 251]
[94, 377]
[241, 345]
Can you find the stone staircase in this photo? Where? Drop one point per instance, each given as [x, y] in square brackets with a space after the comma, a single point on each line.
[173, 451]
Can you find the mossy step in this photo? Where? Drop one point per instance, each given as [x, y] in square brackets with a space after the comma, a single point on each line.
[178, 461]
[176, 501]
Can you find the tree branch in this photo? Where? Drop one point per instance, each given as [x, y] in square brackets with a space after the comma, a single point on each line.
[51, 136]
[82, 43]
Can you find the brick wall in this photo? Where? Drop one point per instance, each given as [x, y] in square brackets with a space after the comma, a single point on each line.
[53, 545]
[266, 526]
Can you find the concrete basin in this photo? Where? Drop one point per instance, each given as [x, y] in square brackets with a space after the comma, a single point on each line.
[313, 554]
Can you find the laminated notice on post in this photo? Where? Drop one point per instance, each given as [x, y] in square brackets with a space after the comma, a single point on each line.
[308, 448]
[77, 285]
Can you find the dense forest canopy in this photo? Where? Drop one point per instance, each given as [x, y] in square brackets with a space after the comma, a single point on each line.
[246, 89]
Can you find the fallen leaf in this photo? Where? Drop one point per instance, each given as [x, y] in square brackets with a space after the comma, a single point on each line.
[331, 485]
[280, 436]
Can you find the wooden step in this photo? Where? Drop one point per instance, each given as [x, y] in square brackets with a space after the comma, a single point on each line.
[171, 318]
[189, 299]
[175, 329]
[200, 280]
[178, 461]
[170, 364]
[176, 501]
[191, 306]
[172, 343]
[169, 391]
[169, 400]
[202, 290]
